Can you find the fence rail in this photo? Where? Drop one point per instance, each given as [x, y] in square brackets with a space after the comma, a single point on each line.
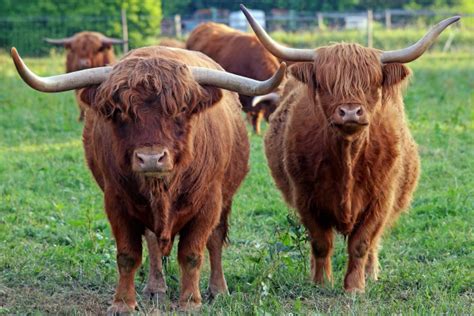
[27, 32]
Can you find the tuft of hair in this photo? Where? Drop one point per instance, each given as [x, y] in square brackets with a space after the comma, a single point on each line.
[346, 70]
[157, 82]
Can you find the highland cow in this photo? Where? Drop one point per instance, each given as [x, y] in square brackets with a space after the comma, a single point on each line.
[86, 50]
[169, 149]
[339, 147]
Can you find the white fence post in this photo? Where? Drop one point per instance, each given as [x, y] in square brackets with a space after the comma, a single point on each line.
[124, 31]
[388, 19]
[370, 18]
[177, 26]
[320, 21]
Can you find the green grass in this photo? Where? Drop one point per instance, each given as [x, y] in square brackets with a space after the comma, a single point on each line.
[57, 253]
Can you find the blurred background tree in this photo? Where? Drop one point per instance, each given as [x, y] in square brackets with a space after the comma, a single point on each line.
[48, 18]
[187, 7]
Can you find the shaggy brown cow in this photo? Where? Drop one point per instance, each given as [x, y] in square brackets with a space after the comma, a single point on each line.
[340, 150]
[241, 54]
[169, 149]
[86, 50]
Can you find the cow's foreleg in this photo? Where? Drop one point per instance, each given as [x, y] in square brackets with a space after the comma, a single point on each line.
[217, 283]
[321, 251]
[362, 241]
[192, 241]
[156, 284]
[128, 237]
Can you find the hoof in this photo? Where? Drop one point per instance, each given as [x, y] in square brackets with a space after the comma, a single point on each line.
[213, 293]
[189, 307]
[355, 290]
[120, 308]
[150, 291]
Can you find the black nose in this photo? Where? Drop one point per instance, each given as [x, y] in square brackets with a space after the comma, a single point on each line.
[149, 160]
[350, 113]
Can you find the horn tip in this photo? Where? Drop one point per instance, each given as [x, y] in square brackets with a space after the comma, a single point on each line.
[14, 54]
[244, 10]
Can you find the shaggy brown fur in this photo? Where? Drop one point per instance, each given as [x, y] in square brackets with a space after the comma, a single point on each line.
[351, 178]
[150, 100]
[87, 51]
[241, 54]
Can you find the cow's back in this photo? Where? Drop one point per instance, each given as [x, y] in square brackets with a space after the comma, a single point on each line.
[235, 51]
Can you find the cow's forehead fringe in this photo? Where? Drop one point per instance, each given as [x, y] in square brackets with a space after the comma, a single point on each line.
[163, 82]
[347, 70]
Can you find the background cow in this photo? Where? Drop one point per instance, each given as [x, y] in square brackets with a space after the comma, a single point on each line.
[171, 42]
[241, 54]
[169, 149]
[340, 150]
[86, 50]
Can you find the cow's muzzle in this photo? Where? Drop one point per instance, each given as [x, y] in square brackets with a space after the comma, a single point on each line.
[154, 161]
[350, 118]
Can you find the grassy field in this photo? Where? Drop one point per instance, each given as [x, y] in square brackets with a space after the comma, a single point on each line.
[57, 254]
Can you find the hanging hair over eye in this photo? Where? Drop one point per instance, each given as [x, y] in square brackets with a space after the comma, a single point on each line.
[347, 70]
[162, 83]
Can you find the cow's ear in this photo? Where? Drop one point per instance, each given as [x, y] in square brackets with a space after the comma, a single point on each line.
[394, 74]
[87, 95]
[210, 96]
[303, 71]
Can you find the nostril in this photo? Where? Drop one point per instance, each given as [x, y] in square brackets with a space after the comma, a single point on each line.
[139, 159]
[360, 112]
[163, 156]
[342, 112]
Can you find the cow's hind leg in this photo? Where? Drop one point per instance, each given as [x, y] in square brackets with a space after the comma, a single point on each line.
[217, 282]
[257, 121]
[192, 241]
[128, 237]
[372, 266]
[156, 284]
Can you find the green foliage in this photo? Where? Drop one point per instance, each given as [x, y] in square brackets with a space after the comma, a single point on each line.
[25, 23]
[187, 7]
[58, 255]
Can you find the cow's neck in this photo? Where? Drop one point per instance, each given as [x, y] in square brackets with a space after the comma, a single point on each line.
[347, 153]
[159, 193]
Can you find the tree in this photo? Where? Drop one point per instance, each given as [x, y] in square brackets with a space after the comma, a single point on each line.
[25, 23]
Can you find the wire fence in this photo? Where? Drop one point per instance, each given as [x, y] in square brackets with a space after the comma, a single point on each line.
[299, 29]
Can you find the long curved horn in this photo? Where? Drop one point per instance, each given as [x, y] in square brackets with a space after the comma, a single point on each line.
[272, 97]
[83, 78]
[414, 51]
[237, 83]
[112, 41]
[70, 81]
[280, 51]
[59, 41]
